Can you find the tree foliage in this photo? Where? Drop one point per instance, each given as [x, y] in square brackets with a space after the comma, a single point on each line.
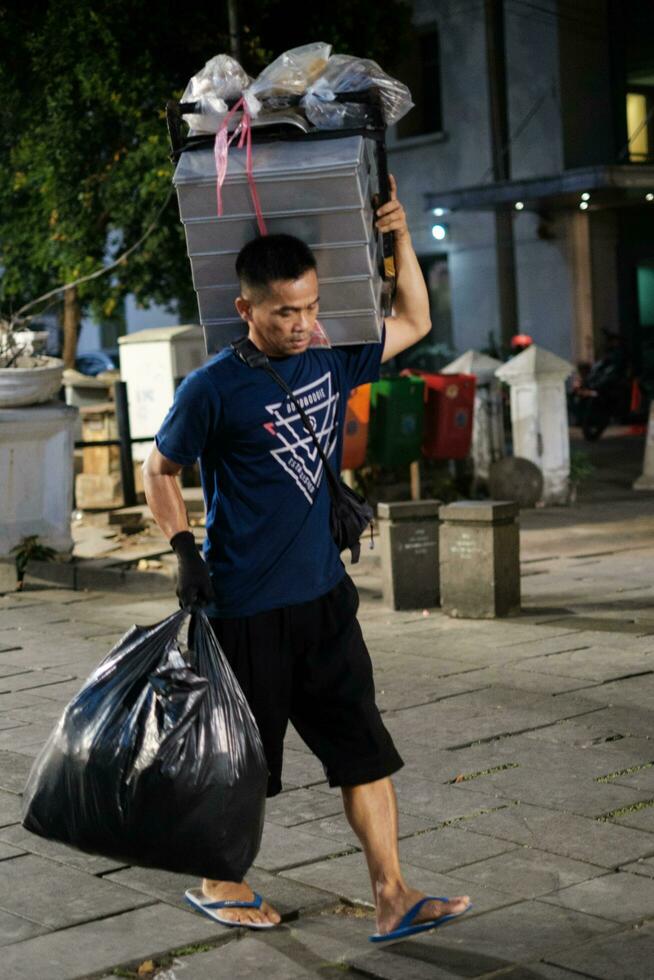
[84, 163]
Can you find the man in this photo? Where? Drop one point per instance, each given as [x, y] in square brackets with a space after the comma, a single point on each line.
[280, 602]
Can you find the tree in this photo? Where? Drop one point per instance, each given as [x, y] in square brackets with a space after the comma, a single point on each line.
[84, 156]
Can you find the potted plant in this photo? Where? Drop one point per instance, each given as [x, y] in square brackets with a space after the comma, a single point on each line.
[27, 376]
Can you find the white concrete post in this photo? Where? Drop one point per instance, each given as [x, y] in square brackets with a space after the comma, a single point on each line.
[646, 479]
[487, 425]
[36, 475]
[539, 417]
[150, 362]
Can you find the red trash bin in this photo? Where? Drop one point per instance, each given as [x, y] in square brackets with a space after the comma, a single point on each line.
[449, 409]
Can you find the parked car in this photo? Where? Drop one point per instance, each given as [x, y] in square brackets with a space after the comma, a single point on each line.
[97, 361]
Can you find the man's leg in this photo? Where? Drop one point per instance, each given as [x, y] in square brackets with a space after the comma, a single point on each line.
[371, 809]
[242, 642]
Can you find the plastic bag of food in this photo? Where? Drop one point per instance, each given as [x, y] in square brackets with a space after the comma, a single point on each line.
[221, 79]
[344, 73]
[157, 761]
[289, 75]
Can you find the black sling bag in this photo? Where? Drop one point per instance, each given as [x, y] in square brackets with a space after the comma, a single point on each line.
[350, 514]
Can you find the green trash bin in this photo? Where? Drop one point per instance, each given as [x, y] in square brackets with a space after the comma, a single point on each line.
[396, 421]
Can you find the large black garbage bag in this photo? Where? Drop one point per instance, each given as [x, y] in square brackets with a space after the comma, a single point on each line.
[157, 761]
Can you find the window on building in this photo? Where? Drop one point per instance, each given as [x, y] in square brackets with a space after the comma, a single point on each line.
[419, 68]
[640, 110]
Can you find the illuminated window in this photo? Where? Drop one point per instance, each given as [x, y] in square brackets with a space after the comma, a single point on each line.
[638, 126]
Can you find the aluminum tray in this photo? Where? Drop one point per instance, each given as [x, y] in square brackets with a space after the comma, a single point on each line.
[336, 295]
[313, 227]
[339, 259]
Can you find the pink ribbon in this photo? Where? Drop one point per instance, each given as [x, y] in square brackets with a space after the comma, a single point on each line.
[221, 150]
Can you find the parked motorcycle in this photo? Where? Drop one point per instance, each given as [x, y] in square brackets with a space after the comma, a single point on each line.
[605, 392]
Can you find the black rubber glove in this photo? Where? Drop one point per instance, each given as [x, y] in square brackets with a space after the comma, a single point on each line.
[194, 588]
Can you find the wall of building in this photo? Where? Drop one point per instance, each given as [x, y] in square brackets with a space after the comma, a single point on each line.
[461, 157]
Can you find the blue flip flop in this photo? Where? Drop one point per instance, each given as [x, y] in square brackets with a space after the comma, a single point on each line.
[199, 901]
[406, 926]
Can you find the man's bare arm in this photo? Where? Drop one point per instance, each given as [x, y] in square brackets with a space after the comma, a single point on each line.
[410, 321]
[163, 494]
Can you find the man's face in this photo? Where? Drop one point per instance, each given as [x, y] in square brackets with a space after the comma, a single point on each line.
[282, 321]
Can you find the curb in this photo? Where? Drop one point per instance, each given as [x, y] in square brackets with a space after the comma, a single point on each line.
[97, 574]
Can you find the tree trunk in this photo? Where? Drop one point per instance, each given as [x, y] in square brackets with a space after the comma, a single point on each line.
[72, 321]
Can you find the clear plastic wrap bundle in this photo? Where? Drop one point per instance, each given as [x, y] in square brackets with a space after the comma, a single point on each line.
[221, 79]
[288, 75]
[157, 761]
[344, 73]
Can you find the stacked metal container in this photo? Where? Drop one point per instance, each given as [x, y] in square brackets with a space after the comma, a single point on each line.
[319, 190]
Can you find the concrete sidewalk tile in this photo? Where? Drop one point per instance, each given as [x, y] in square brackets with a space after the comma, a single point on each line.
[76, 953]
[8, 851]
[18, 701]
[300, 767]
[479, 715]
[331, 935]
[638, 819]
[618, 897]
[422, 797]
[165, 886]
[607, 722]
[348, 877]
[541, 971]
[15, 929]
[527, 680]
[299, 806]
[448, 848]
[36, 681]
[338, 828]
[284, 847]
[411, 961]
[581, 796]
[18, 837]
[57, 896]
[249, 959]
[521, 933]
[643, 866]
[527, 873]
[603, 843]
[10, 809]
[14, 770]
[626, 955]
[25, 739]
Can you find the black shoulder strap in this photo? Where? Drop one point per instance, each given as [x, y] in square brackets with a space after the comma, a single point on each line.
[249, 354]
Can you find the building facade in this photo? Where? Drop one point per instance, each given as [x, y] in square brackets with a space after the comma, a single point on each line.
[527, 171]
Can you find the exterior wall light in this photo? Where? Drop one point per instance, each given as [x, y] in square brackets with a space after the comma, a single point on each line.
[519, 205]
[439, 232]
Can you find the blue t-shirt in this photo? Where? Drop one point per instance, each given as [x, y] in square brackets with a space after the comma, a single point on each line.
[268, 541]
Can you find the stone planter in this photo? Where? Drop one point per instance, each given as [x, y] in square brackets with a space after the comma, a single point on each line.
[27, 384]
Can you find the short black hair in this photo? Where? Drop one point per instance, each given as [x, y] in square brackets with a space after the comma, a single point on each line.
[270, 258]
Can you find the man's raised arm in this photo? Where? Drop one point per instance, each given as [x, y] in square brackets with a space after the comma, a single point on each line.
[410, 321]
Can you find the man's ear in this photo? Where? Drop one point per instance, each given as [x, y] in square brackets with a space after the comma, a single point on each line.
[243, 308]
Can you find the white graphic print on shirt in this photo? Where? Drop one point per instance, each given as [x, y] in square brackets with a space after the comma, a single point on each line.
[298, 454]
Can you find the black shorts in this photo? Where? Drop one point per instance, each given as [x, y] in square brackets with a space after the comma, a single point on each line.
[309, 664]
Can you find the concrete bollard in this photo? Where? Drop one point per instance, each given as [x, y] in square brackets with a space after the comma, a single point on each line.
[409, 553]
[539, 416]
[646, 479]
[480, 559]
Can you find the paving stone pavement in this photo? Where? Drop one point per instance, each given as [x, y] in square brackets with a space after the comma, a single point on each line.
[528, 783]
